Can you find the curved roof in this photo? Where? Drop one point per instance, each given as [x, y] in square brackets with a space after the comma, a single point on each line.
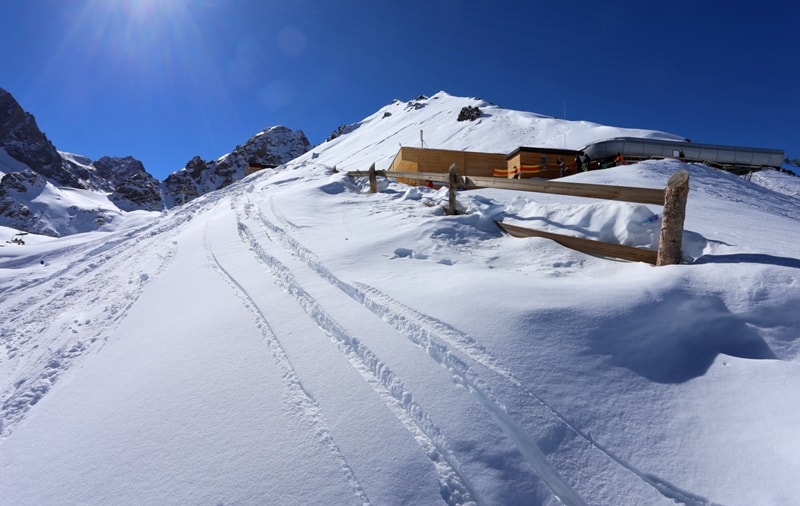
[634, 147]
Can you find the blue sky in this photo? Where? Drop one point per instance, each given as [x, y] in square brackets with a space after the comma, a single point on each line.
[165, 80]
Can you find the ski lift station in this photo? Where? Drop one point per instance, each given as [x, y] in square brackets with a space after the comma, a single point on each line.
[730, 158]
[540, 162]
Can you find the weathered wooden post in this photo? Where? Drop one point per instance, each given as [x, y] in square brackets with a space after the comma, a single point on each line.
[373, 180]
[452, 194]
[675, 195]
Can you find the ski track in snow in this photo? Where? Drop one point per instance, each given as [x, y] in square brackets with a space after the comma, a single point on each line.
[434, 336]
[455, 484]
[52, 330]
[300, 396]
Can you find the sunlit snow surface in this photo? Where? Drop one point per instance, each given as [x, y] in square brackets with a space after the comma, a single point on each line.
[294, 339]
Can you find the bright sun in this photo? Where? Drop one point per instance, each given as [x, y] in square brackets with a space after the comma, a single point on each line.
[139, 38]
[149, 10]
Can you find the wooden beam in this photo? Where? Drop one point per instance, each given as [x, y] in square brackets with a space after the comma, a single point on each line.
[589, 246]
[595, 191]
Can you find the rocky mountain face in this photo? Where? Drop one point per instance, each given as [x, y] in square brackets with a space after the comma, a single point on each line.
[271, 147]
[132, 187]
[31, 165]
[16, 190]
[23, 141]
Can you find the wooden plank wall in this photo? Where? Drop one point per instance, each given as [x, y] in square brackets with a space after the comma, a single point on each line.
[469, 163]
[528, 164]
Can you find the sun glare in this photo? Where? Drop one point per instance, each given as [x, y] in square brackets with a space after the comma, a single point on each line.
[149, 41]
[150, 10]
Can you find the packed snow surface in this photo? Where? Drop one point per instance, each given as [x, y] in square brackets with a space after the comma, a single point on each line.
[295, 339]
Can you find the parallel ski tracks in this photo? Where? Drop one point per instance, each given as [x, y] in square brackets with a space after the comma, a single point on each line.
[303, 399]
[446, 345]
[437, 350]
[455, 484]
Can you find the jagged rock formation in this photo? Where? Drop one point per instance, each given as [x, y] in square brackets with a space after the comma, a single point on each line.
[22, 140]
[271, 147]
[36, 168]
[16, 189]
[132, 186]
[344, 129]
[469, 113]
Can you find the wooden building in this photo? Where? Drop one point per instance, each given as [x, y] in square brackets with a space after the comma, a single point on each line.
[255, 167]
[525, 162]
[468, 163]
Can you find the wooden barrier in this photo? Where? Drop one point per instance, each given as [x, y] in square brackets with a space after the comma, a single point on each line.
[595, 191]
[673, 198]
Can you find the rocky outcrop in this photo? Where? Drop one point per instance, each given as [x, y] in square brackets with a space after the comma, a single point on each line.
[132, 186]
[22, 140]
[271, 147]
[17, 189]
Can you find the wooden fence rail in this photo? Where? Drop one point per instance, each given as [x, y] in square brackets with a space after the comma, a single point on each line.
[673, 198]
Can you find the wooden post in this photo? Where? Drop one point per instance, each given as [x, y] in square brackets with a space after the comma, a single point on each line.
[373, 181]
[452, 194]
[675, 195]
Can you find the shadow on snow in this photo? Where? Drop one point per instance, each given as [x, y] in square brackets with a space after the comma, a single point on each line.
[677, 339]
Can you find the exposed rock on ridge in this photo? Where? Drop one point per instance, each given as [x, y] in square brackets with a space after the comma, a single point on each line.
[272, 147]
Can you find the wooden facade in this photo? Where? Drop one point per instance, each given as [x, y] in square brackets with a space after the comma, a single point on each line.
[255, 167]
[527, 162]
[522, 163]
[468, 163]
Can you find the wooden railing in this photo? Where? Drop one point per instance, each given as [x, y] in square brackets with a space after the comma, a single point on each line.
[673, 198]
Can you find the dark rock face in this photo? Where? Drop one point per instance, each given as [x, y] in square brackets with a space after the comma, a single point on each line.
[271, 147]
[21, 138]
[16, 190]
[469, 113]
[345, 129]
[132, 186]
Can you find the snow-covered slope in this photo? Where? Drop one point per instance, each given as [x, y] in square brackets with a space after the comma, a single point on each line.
[433, 122]
[30, 203]
[293, 339]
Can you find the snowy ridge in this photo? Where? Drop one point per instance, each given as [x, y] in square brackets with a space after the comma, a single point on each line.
[378, 137]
